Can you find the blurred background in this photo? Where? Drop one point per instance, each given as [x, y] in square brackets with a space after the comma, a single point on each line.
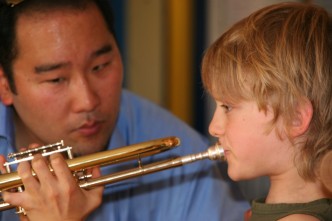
[162, 43]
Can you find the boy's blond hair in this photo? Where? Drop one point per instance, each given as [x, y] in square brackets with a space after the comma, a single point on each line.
[279, 56]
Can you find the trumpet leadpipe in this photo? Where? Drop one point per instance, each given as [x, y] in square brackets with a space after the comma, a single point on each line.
[213, 153]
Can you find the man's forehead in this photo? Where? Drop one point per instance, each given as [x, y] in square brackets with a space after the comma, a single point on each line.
[35, 22]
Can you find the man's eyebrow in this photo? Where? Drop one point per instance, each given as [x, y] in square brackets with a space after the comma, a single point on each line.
[103, 50]
[49, 67]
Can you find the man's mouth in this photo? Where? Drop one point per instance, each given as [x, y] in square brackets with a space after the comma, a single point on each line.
[90, 128]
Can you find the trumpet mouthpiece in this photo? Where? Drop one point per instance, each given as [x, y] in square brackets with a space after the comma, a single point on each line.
[216, 152]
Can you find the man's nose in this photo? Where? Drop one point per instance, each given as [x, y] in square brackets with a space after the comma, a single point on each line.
[85, 96]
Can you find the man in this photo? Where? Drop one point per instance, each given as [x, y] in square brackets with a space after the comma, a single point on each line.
[61, 77]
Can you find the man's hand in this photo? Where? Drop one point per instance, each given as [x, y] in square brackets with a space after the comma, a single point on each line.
[52, 196]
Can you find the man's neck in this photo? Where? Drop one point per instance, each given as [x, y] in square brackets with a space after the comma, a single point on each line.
[23, 136]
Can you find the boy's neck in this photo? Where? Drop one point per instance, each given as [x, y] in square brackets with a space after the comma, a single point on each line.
[292, 188]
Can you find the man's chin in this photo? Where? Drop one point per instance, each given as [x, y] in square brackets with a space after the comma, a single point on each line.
[87, 147]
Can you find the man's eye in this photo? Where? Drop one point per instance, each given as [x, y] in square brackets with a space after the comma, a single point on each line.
[100, 67]
[55, 80]
[226, 107]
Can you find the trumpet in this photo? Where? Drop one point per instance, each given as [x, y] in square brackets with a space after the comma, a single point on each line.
[79, 165]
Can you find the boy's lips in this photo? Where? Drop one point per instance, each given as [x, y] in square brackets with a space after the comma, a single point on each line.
[226, 150]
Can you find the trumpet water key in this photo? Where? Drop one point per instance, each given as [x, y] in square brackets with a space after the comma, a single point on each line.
[79, 165]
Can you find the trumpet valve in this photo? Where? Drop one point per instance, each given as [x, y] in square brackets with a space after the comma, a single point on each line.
[47, 150]
[82, 175]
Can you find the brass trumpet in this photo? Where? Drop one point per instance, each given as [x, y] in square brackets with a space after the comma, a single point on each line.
[79, 164]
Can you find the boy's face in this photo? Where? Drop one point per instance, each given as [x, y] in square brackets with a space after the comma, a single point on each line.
[251, 151]
[68, 76]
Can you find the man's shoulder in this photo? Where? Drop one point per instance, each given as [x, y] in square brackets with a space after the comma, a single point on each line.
[136, 106]
[136, 101]
[142, 119]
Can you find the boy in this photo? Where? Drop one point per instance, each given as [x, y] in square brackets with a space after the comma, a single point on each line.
[271, 77]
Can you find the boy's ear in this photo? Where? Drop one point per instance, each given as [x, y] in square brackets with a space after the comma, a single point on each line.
[6, 95]
[301, 122]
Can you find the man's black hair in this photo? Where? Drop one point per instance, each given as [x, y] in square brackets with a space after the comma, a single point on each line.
[10, 11]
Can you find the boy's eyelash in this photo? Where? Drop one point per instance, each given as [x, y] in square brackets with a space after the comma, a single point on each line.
[226, 107]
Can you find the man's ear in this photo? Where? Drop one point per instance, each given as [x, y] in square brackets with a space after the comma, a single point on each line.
[6, 95]
[302, 119]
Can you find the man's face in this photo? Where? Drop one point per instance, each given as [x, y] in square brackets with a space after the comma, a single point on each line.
[68, 75]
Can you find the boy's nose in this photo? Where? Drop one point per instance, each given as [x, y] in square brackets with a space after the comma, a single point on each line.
[216, 127]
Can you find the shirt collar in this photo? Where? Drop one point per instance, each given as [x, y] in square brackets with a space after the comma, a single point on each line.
[6, 125]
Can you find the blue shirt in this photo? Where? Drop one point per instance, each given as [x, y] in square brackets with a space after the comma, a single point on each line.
[193, 192]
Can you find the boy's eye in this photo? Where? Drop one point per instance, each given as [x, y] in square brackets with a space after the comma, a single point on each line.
[226, 107]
